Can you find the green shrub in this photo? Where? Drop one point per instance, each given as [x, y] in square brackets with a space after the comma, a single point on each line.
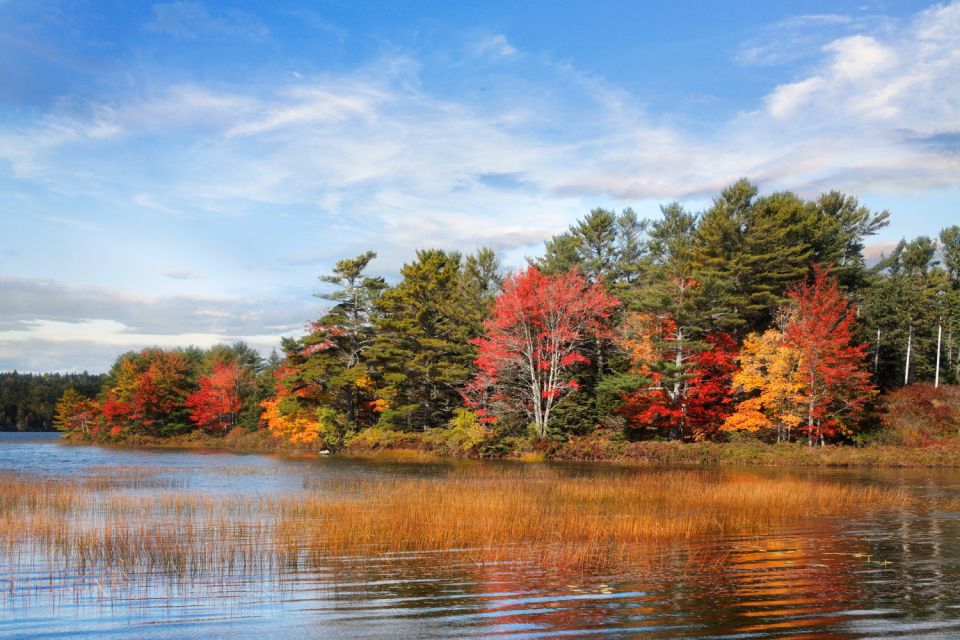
[332, 428]
[464, 435]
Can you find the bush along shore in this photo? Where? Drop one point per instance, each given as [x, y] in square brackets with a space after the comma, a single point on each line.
[600, 446]
[741, 333]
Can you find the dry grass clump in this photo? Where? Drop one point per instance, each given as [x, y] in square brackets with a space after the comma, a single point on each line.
[480, 513]
[575, 521]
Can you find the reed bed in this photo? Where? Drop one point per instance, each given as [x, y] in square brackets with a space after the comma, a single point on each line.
[477, 514]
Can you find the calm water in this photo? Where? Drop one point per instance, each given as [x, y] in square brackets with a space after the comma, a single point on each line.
[896, 576]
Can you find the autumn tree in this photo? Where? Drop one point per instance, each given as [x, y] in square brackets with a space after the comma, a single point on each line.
[679, 313]
[217, 403]
[75, 412]
[769, 374]
[146, 392]
[534, 341]
[821, 327]
[296, 422]
[692, 404]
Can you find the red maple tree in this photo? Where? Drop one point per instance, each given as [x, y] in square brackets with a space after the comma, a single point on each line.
[821, 327]
[535, 338]
[704, 396]
[161, 387]
[216, 403]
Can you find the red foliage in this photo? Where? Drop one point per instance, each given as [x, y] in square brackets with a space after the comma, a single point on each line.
[216, 403]
[710, 394]
[706, 399]
[161, 388]
[114, 411]
[920, 415]
[534, 339]
[821, 327]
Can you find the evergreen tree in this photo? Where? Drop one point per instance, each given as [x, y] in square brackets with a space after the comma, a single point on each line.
[902, 303]
[750, 250]
[604, 246]
[423, 325]
[841, 226]
[327, 368]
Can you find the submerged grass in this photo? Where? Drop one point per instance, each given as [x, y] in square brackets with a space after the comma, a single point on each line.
[481, 514]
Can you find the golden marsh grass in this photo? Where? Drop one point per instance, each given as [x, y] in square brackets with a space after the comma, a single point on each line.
[481, 514]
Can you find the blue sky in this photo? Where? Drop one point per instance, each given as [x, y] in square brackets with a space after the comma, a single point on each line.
[180, 173]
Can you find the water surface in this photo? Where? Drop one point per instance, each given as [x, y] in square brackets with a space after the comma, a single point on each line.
[889, 576]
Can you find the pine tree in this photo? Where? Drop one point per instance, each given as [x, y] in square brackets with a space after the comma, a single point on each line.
[326, 368]
[422, 354]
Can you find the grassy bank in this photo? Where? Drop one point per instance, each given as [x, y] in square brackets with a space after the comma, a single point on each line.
[593, 448]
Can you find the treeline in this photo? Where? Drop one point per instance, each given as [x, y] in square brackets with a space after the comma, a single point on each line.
[158, 392]
[758, 314]
[28, 401]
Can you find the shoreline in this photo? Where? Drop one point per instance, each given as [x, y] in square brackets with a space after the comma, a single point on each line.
[585, 449]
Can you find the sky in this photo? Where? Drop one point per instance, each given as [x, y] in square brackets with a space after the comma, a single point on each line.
[182, 172]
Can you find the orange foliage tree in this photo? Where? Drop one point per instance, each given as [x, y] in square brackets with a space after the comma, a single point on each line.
[290, 420]
[809, 376]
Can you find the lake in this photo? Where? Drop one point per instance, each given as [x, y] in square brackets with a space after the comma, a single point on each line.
[892, 574]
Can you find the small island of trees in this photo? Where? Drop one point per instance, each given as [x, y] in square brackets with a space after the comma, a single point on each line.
[755, 318]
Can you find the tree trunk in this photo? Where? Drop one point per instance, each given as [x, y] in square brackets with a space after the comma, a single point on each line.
[906, 372]
[678, 388]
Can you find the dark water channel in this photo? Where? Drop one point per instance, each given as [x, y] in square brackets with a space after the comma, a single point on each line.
[893, 576]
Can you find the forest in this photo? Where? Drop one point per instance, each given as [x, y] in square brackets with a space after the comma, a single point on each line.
[756, 317]
[28, 401]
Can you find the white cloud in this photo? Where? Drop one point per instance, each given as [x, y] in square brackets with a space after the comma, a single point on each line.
[859, 57]
[873, 85]
[117, 334]
[787, 98]
[372, 158]
[374, 143]
[495, 46]
[191, 20]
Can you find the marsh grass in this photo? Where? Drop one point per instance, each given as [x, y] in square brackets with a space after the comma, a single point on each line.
[474, 513]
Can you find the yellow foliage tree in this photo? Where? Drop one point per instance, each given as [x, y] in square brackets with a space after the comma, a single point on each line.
[769, 369]
[296, 429]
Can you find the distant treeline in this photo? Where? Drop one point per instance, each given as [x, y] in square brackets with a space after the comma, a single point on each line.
[28, 400]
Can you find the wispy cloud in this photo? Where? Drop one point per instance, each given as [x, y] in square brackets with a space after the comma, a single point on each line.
[83, 225]
[373, 140]
[494, 46]
[192, 20]
[304, 170]
[800, 37]
[182, 274]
